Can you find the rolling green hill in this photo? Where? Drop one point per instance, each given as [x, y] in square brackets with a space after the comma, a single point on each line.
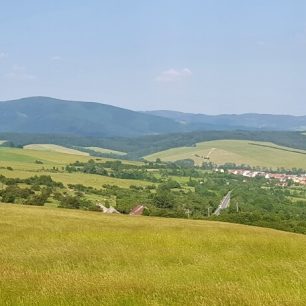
[55, 148]
[24, 165]
[252, 153]
[137, 147]
[65, 257]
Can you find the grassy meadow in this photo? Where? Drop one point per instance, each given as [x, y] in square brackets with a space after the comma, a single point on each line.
[56, 256]
[23, 162]
[68, 257]
[25, 157]
[55, 148]
[252, 153]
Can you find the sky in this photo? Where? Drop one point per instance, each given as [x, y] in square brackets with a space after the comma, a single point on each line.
[200, 56]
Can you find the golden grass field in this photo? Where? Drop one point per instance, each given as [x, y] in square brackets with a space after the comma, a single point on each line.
[67, 257]
[237, 151]
[55, 148]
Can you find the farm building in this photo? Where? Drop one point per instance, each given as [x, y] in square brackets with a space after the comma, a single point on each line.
[137, 210]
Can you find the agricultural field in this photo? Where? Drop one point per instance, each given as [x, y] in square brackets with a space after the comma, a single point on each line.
[52, 255]
[263, 154]
[24, 165]
[25, 159]
[106, 151]
[54, 148]
[68, 257]
[53, 179]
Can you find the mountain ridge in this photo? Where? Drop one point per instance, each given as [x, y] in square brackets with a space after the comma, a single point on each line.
[241, 121]
[47, 115]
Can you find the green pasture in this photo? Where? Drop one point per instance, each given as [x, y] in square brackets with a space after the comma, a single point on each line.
[24, 165]
[252, 153]
[68, 257]
[54, 148]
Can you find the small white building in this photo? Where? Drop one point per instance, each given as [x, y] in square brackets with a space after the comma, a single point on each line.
[110, 210]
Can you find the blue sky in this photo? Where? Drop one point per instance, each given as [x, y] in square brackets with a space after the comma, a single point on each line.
[211, 57]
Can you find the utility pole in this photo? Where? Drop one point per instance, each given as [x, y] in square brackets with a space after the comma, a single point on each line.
[188, 212]
[208, 211]
[237, 207]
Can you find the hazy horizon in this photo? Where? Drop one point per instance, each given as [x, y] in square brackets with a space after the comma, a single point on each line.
[152, 110]
[207, 57]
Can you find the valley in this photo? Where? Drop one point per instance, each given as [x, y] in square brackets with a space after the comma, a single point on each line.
[152, 153]
[179, 189]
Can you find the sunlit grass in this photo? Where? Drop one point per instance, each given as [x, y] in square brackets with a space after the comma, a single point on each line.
[54, 148]
[24, 165]
[237, 151]
[61, 257]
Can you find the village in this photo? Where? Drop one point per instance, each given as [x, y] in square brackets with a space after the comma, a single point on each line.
[283, 178]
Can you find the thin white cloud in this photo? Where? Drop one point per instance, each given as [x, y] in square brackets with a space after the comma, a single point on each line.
[3, 55]
[260, 43]
[56, 58]
[174, 75]
[20, 73]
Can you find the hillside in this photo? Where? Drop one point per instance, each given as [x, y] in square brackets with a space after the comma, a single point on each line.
[251, 153]
[48, 115]
[137, 147]
[232, 121]
[78, 258]
[55, 148]
[24, 165]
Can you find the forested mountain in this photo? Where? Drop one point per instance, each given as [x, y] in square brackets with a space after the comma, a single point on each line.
[249, 121]
[52, 116]
[48, 115]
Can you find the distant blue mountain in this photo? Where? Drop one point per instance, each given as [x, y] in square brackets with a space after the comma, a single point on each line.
[250, 121]
[53, 116]
[48, 115]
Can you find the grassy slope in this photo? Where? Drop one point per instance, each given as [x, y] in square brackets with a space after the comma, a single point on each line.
[25, 159]
[239, 152]
[61, 257]
[55, 148]
[23, 163]
[107, 151]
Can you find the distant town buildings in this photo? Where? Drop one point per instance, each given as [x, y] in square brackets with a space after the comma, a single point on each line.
[283, 178]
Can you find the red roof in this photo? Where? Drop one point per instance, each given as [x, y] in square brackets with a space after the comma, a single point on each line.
[137, 211]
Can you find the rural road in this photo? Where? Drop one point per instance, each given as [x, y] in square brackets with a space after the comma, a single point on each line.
[223, 204]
